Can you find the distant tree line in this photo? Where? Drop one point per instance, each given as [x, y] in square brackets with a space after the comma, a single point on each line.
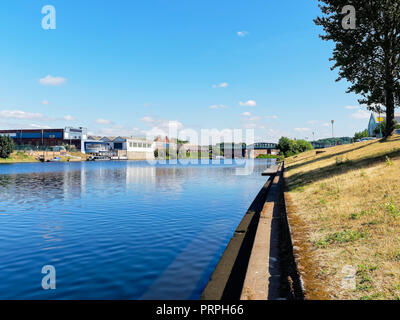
[334, 141]
[6, 146]
[291, 147]
[361, 134]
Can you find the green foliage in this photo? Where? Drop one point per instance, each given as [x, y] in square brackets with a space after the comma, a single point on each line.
[367, 56]
[340, 237]
[391, 209]
[267, 156]
[290, 147]
[334, 141]
[361, 134]
[6, 146]
[381, 127]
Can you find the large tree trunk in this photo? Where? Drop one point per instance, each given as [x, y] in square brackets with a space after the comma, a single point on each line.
[389, 93]
[389, 113]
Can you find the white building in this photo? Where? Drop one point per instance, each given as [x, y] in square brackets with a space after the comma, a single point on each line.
[134, 148]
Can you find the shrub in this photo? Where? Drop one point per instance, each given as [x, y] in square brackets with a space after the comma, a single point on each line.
[6, 146]
[290, 147]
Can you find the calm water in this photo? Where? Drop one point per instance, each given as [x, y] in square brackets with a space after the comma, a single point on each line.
[117, 230]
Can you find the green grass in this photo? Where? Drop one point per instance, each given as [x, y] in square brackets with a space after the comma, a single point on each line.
[17, 157]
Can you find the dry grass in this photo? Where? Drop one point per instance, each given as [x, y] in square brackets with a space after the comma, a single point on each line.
[344, 210]
[16, 157]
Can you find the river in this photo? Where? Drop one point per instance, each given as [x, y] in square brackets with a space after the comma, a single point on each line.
[118, 230]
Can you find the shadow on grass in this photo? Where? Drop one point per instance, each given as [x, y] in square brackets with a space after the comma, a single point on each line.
[301, 179]
[331, 155]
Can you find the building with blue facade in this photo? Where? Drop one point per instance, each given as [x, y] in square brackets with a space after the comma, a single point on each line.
[48, 137]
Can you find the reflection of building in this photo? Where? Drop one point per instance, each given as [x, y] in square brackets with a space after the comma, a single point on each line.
[48, 137]
[261, 148]
[142, 176]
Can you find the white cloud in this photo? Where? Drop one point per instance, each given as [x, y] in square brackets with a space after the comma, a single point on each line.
[218, 106]
[147, 119]
[117, 130]
[360, 115]
[326, 124]
[103, 121]
[52, 81]
[161, 126]
[249, 103]
[302, 129]
[45, 102]
[352, 107]
[271, 117]
[38, 126]
[221, 85]
[17, 114]
[69, 118]
[246, 114]
[242, 33]
[256, 118]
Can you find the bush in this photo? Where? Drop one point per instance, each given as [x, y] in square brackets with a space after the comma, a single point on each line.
[6, 146]
[290, 147]
[361, 134]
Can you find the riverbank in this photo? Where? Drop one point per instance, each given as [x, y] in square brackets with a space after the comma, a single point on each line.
[26, 157]
[344, 211]
[19, 157]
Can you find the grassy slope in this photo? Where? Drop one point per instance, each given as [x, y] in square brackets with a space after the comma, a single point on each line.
[344, 209]
[18, 157]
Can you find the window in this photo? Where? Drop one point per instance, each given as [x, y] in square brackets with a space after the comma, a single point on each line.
[140, 145]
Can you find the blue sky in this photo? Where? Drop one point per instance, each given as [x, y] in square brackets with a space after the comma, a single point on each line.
[126, 67]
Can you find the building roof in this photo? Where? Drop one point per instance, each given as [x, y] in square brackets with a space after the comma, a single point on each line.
[94, 138]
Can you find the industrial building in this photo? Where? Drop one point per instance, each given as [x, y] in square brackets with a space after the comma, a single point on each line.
[48, 137]
[132, 148]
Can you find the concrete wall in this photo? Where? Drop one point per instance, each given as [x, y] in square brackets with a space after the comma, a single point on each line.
[140, 155]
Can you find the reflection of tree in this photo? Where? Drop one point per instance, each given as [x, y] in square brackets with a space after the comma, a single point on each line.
[5, 180]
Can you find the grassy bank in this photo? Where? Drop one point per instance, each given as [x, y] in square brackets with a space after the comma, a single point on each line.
[17, 157]
[344, 210]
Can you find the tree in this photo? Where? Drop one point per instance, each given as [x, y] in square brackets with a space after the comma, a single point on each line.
[302, 146]
[289, 147]
[381, 127]
[368, 56]
[6, 146]
[285, 145]
[361, 134]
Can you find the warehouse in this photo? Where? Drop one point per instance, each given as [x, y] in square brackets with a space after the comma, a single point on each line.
[133, 148]
[48, 137]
